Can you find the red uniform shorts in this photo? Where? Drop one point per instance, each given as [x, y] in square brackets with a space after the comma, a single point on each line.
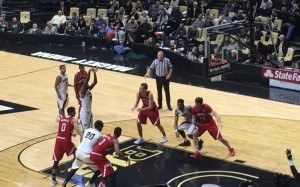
[153, 116]
[103, 164]
[63, 146]
[211, 127]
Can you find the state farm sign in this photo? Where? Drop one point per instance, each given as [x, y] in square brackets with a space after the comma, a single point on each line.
[281, 75]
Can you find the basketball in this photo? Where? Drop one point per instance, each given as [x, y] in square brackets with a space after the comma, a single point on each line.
[110, 35]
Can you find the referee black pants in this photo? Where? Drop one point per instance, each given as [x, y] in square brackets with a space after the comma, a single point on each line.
[163, 82]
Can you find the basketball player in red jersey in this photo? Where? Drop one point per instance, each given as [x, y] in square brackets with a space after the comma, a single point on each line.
[78, 78]
[63, 143]
[150, 110]
[202, 115]
[105, 146]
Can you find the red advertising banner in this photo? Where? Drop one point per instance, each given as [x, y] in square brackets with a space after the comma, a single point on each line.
[281, 75]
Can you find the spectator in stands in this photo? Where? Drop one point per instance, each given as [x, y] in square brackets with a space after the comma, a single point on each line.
[258, 33]
[129, 38]
[134, 14]
[174, 3]
[119, 23]
[99, 23]
[122, 12]
[208, 22]
[181, 46]
[265, 7]
[161, 21]
[226, 16]
[216, 54]
[3, 24]
[50, 29]
[167, 8]
[69, 30]
[74, 20]
[232, 57]
[178, 33]
[103, 30]
[282, 47]
[119, 35]
[229, 6]
[200, 53]
[193, 34]
[128, 7]
[143, 16]
[240, 15]
[131, 25]
[35, 29]
[199, 21]
[192, 12]
[144, 31]
[193, 54]
[226, 42]
[138, 6]
[290, 23]
[150, 41]
[81, 25]
[274, 14]
[93, 30]
[154, 11]
[176, 17]
[113, 8]
[15, 26]
[59, 21]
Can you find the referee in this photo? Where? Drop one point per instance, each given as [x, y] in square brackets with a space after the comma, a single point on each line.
[163, 71]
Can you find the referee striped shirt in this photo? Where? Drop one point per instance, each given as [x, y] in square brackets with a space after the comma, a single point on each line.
[161, 67]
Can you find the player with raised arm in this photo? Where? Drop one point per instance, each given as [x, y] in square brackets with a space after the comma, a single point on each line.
[86, 116]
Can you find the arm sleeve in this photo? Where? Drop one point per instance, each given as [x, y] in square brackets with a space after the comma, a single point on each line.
[295, 173]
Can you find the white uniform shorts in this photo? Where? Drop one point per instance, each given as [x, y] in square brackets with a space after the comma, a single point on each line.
[63, 102]
[86, 120]
[188, 126]
[83, 158]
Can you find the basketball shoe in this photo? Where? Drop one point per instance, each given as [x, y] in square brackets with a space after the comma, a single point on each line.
[53, 182]
[139, 141]
[231, 152]
[196, 154]
[164, 139]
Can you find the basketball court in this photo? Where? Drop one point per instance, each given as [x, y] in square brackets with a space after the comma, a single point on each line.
[260, 130]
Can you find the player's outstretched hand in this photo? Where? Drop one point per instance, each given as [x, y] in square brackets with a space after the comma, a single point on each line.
[289, 154]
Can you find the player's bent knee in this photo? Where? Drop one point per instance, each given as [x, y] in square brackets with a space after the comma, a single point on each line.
[190, 136]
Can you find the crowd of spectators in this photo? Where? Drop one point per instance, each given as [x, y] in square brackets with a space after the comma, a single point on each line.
[178, 25]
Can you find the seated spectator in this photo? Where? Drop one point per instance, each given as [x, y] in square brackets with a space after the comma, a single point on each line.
[208, 22]
[81, 25]
[113, 7]
[119, 35]
[122, 12]
[119, 23]
[125, 46]
[35, 29]
[178, 33]
[144, 31]
[150, 42]
[215, 54]
[93, 30]
[59, 20]
[103, 30]
[99, 23]
[176, 17]
[167, 8]
[229, 6]
[131, 25]
[199, 21]
[232, 57]
[240, 16]
[15, 26]
[128, 7]
[297, 65]
[134, 14]
[154, 11]
[193, 54]
[74, 20]
[144, 15]
[193, 34]
[265, 7]
[70, 30]
[192, 12]
[200, 53]
[50, 29]
[138, 6]
[161, 21]
[3, 24]
[226, 17]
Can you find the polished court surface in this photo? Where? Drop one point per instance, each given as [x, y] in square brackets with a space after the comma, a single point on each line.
[258, 128]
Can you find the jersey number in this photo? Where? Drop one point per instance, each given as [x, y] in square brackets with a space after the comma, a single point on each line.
[63, 127]
[89, 135]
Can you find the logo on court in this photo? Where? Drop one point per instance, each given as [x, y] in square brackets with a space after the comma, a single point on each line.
[8, 107]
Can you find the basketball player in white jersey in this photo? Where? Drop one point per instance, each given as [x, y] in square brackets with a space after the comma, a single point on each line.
[186, 112]
[90, 138]
[86, 116]
[61, 88]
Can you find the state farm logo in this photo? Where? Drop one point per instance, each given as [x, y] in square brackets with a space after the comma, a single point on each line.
[280, 74]
[268, 73]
